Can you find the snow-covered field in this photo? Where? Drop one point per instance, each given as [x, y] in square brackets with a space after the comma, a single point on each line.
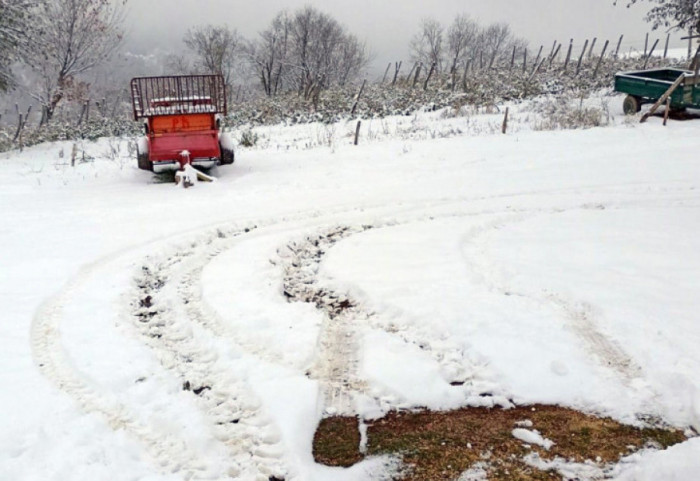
[155, 333]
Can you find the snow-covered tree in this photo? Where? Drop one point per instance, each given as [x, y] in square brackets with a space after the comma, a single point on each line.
[217, 50]
[69, 38]
[465, 40]
[461, 39]
[15, 17]
[306, 51]
[494, 41]
[427, 45]
[269, 53]
[673, 14]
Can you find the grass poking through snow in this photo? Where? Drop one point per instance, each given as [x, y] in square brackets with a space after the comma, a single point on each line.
[443, 445]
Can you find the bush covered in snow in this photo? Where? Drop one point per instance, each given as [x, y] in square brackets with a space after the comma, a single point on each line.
[565, 112]
[480, 88]
[55, 131]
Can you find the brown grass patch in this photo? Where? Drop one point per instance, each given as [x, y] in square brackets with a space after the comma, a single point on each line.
[442, 445]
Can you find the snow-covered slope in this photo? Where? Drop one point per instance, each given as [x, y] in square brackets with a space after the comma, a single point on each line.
[147, 332]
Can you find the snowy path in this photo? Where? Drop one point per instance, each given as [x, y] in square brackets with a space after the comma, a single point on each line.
[191, 338]
[206, 341]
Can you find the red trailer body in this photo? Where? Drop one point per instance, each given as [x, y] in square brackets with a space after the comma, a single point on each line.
[182, 118]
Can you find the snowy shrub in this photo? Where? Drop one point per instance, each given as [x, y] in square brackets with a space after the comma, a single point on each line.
[63, 130]
[479, 91]
[248, 138]
[562, 112]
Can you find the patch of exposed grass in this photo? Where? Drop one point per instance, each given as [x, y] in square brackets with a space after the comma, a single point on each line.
[337, 442]
[442, 445]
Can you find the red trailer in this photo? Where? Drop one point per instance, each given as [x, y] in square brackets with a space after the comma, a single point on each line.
[182, 121]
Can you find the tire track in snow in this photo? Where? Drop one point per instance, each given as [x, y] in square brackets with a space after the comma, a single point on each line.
[610, 354]
[337, 367]
[170, 453]
[579, 317]
[172, 321]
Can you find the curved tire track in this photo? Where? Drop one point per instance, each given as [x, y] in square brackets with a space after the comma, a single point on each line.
[170, 453]
[338, 363]
[166, 314]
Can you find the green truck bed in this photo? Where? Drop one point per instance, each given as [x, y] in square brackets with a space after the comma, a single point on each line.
[647, 86]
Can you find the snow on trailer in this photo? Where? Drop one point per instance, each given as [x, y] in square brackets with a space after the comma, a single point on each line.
[182, 121]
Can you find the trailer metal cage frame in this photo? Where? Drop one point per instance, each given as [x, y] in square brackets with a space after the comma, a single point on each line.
[178, 94]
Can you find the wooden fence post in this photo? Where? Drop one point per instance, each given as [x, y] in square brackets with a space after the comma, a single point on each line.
[386, 72]
[646, 44]
[568, 54]
[410, 73]
[600, 60]
[555, 55]
[19, 128]
[619, 44]
[651, 52]
[694, 63]
[537, 59]
[590, 51]
[535, 70]
[690, 42]
[357, 99]
[580, 59]
[430, 74]
[397, 68]
[21, 123]
[419, 66]
[357, 131]
[504, 127]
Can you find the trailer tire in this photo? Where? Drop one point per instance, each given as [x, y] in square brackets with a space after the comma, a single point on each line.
[631, 105]
[144, 162]
[227, 156]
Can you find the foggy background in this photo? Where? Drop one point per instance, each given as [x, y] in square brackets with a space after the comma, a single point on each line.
[388, 25]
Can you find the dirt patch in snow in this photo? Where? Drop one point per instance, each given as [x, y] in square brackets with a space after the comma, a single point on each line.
[446, 445]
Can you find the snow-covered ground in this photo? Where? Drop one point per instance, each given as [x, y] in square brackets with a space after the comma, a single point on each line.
[156, 333]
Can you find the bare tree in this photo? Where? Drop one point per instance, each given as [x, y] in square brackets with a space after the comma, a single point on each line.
[461, 38]
[352, 57]
[217, 48]
[269, 53]
[427, 44]
[494, 40]
[69, 38]
[306, 51]
[314, 35]
[15, 17]
[179, 64]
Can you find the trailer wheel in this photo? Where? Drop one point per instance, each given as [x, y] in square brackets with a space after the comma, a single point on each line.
[631, 105]
[227, 156]
[144, 162]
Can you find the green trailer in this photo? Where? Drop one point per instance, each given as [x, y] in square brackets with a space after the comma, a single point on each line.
[648, 86]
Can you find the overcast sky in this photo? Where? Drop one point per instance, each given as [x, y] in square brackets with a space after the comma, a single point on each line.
[387, 25]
